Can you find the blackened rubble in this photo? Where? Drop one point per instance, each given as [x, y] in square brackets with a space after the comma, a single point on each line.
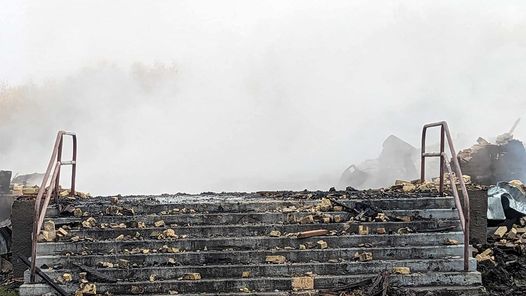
[502, 261]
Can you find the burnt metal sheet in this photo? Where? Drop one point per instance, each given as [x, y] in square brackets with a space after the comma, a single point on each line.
[505, 196]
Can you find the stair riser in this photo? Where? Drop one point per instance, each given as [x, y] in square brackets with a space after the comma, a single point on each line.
[277, 270]
[262, 230]
[258, 257]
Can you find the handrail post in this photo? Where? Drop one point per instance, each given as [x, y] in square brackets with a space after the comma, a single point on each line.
[59, 159]
[422, 157]
[442, 160]
[74, 166]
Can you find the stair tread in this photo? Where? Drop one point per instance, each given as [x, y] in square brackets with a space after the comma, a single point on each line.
[213, 252]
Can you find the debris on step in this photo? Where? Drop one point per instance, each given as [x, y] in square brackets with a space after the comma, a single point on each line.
[289, 209]
[246, 274]
[89, 223]
[450, 242]
[123, 263]
[406, 219]
[404, 230]
[363, 230]
[137, 290]
[309, 219]
[61, 232]
[244, 290]
[380, 230]
[169, 233]
[338, 219]
[105, 264]
[275, 233]
[192, 276]
[381, 217]
[401, 270]
[64, 278]
[86, 288]
[48, 233]
[325, 205]
[77, 212]
[275, 259]
[159, 223]
[311, 233]
[322, 244]
[302, 283]
[363, 256]
[117, 226]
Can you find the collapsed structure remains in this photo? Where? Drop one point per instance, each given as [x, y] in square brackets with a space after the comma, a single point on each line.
[409, 239]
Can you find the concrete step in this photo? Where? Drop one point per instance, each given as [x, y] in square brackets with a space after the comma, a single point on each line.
[275, 270]
[42, 289]
[279, 283]
[258, 205]
[249, 243]
[250, 218]
[239, 230]
[423, 291]
[256, 256]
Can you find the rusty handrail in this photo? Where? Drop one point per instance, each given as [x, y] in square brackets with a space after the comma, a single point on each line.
[53, 170]
[462, 207]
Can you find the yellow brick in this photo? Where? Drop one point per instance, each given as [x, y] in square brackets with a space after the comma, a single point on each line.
[303, 283]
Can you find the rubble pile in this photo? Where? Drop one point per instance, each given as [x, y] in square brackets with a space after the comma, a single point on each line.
[488, 163]
[502, 261]
[21, 190]
[432, 186]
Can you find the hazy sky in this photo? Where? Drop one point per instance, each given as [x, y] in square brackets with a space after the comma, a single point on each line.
[259, 94]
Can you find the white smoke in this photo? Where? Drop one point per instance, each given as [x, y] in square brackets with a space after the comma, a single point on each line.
[171, 96]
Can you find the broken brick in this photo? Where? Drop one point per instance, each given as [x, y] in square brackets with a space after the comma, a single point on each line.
[303, 283]
[193, 276]
[276, 259]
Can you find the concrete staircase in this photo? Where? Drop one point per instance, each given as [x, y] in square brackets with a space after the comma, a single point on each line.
[227, 239]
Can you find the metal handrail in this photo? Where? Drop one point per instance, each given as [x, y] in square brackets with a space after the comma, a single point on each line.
[462, 207]
[53, 170]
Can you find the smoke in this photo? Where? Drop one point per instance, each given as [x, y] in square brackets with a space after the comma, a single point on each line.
[194, 96]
